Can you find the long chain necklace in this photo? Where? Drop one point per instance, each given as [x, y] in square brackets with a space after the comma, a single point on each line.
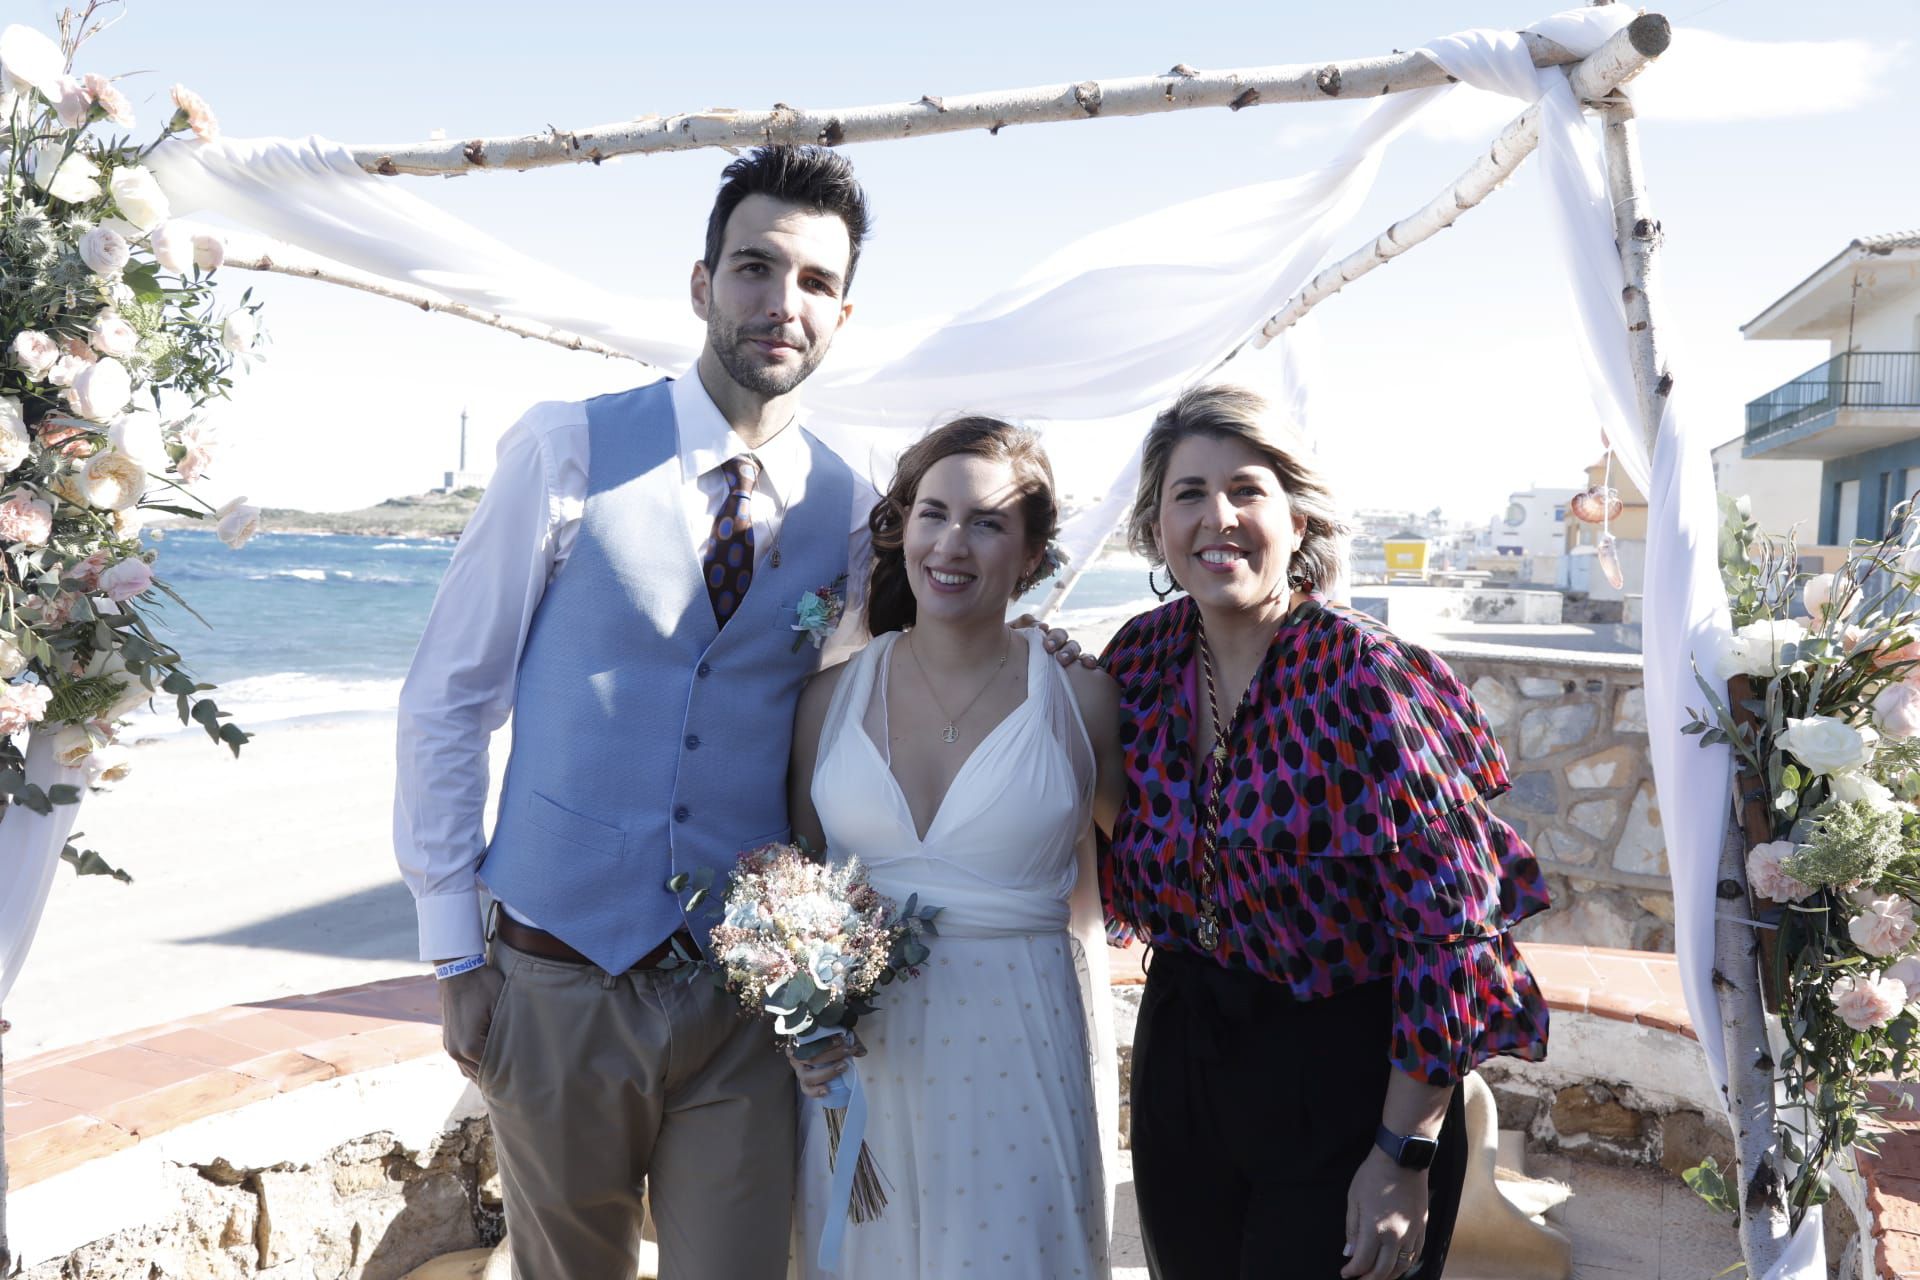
[951, 733]
[1214, 778]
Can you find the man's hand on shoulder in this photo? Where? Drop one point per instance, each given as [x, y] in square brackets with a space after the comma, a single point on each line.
[467, 1002]
[1064, 648]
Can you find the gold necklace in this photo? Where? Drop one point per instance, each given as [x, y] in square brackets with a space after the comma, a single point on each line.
[951, 734]
[1213, 777]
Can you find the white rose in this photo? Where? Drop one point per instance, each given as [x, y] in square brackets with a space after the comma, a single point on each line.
[138, 436]
[1757, 648]
[35, 352]
[1818, 593]
[172, 246]
[15, 443]
[139, 197]
[67, 368]
[12, 661]
[1857, 784]
[1884, 927]
[105, 252]
[102, 391]
[30, 58]
[72, 745]
[240, 332]
[111, 335]
[238, 523]
[209, 252]
[74, 181]
[107, 766]
[113, 481]
[128, 523]
[1826, 744]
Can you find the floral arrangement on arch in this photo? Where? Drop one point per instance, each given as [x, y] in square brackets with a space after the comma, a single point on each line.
[1822, 710]
[112, 341]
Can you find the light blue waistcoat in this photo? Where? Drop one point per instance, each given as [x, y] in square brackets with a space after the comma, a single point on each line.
[647, 740]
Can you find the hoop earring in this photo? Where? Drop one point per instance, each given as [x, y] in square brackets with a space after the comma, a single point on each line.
[1154, 587]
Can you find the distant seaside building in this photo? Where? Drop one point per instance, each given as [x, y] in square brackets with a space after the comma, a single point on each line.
[1856, 414]
[463, 478]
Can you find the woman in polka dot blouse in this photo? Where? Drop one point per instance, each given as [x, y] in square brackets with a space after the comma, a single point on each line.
[1307, 848]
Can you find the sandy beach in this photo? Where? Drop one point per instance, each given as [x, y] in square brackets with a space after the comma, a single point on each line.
[264, 876]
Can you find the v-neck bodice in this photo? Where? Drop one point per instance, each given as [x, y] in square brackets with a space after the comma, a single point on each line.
[998, 854]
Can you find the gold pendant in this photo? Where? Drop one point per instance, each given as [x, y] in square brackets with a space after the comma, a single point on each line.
[949, 734]
[773, 561]
[1209, 933]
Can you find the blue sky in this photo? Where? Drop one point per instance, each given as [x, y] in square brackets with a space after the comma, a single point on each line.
[1448, 379]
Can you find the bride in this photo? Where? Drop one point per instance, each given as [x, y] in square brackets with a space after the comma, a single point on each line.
[958, 761]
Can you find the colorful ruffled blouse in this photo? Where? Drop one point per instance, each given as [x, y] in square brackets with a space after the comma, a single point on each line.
[1356, 843]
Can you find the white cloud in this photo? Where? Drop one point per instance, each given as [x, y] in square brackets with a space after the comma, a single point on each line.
[1710, 77]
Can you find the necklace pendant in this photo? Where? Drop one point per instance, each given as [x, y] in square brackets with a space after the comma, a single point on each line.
[773, 561]
[949, 734]
[1219, 754]
[1209, 933]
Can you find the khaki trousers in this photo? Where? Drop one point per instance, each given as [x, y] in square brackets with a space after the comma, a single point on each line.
[597, 1084]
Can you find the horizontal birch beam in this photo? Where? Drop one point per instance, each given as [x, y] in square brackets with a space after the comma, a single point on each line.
[1625, 55]
[275, 257]
[1180, 89]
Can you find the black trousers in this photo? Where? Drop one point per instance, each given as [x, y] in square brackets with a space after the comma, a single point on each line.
[1251, 1113]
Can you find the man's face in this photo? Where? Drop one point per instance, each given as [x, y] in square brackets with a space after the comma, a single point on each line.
[775, 300]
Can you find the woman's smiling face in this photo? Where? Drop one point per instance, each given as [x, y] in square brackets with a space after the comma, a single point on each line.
[1226, 528]
[965, 540]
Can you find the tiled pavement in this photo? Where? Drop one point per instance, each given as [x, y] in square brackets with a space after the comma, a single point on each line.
[73, 1105]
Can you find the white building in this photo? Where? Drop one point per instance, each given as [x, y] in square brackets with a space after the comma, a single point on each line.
[1856, 414]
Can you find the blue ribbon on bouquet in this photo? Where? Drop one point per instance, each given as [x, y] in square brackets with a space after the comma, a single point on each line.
[846, 1092]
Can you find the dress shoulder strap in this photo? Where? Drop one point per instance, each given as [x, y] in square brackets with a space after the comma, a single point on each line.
[850, 695]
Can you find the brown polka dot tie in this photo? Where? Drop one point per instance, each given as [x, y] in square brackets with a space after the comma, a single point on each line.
[729, 559]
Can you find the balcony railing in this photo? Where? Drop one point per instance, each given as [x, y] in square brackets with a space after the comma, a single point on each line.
[1856, 380]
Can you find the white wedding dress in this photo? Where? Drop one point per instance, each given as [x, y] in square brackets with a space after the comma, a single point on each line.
[980, 1072]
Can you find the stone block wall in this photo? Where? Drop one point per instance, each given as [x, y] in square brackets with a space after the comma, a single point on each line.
[1574, 728]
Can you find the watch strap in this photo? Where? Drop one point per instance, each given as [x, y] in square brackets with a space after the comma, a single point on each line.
[1409, 1151]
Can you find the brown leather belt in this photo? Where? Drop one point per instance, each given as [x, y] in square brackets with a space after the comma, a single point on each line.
[538, 942]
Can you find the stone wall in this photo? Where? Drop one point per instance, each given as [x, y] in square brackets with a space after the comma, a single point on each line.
[1574, 728]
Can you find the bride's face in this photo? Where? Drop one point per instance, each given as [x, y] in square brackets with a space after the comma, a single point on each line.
[965, 539]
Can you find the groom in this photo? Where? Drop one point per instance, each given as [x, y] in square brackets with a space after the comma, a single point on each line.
[627, 590]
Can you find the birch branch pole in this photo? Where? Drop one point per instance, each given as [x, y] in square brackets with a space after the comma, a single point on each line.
[1181, 88]
[1628, 52]
[272, 256]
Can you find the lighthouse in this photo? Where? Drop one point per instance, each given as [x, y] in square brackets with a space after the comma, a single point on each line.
[463, 478]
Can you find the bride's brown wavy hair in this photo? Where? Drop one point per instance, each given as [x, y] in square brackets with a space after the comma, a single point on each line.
[890, 602]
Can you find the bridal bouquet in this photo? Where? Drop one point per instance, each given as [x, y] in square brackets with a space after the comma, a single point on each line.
[1822, 710]
[812, 943]
[112, 340]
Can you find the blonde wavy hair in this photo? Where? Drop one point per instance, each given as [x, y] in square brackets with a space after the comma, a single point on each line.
[1231, 412]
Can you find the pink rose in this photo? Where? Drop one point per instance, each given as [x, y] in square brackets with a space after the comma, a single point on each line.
[25, 520]
[1766, 877]
[88, 571]
[198, 443]
[109, 99]
[70, 102]
[105, 251]
[111, 335]
[22, 705]
[209, 252]
[126, 580]
[69, 367]
[172, 246]
[1908, 650]
[35, 352]
[1896, 709]
[1865, 1003]
[192, 110]
[1884, 927]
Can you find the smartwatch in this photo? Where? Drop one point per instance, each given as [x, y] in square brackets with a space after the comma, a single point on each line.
[1410, 1151]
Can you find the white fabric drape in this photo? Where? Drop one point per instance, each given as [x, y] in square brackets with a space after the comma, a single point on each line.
[1109, 328]
[30, 846]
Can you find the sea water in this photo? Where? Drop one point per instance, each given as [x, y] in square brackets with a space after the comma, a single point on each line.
[299, 626]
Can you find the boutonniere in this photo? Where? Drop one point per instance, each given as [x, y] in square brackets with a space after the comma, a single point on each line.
[818, 613]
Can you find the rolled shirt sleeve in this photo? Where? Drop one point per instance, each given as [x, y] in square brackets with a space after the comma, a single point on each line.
[1455, 878]
[459, 688]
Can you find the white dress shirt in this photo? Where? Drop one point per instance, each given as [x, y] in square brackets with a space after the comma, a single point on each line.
[460, 687]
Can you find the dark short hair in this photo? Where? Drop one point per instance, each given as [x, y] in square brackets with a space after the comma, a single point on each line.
[818, 179]
[890, 601]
